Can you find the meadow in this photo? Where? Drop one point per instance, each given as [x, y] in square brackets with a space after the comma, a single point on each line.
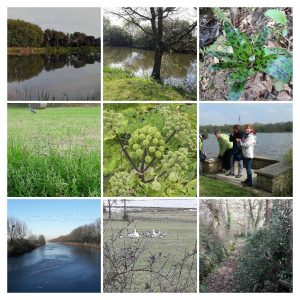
[53, 152]
[148, 264]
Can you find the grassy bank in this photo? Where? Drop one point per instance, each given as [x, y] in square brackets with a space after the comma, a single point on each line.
[210, 187]
[51, 50]
[54, 153]
[123, 85]
[15, 248]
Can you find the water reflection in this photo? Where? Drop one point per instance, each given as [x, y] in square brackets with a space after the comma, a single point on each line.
[177, 69]
[29, 76]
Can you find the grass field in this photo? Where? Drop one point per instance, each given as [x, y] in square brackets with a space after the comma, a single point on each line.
[160, 258]
[123, 85]
[54, 152]
[210, 187]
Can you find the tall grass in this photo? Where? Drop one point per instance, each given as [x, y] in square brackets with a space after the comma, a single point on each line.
[54, 153]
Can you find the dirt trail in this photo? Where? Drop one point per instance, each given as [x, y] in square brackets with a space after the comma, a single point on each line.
[223, 280]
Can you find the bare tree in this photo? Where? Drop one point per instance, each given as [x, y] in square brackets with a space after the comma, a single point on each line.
[152, 22]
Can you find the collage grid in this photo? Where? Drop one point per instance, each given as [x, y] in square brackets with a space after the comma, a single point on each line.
[214, 203]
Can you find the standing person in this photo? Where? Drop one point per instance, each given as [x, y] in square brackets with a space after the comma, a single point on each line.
[203, 136]
[247, 144]
[225, 147]
[237, 154]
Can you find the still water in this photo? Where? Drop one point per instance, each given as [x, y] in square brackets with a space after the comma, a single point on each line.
[55, 268]
[272, 145]
[178, 69]
[54, 77]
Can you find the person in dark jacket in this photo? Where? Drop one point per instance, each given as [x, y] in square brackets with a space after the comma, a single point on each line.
[237, 154]
[203, 137]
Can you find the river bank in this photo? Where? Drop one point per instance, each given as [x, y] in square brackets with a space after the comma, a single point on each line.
[84, 245]
[123, 85]
[51, 50]
[17, 248]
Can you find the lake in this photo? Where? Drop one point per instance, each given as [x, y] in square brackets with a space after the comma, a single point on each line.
[59, 77]
[272, 145]
[55, 268]
[178, 69]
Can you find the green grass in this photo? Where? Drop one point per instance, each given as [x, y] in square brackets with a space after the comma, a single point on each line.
[123, 85]
[210, 187]
[51, 50]
[180, 227]
[54, 153]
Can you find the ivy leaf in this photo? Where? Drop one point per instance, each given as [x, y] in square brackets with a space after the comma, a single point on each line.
[236, 91]
[281, 68]
[276, 15]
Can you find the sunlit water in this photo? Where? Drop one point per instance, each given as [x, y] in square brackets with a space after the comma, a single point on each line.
[59, 77]
[178, 69]
[55, 268]
[272, 145]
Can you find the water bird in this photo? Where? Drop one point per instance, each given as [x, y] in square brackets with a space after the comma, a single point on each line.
[134, 234]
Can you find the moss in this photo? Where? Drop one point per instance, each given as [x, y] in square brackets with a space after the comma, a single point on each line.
[123, 85]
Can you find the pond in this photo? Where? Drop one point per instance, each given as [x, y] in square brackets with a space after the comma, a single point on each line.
[178, 69]
[55, 268]
[272, 145]
[54, 77]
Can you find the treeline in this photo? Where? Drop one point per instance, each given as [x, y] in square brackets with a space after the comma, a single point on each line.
[19, 238]
[25, 34]
[86, 234]
[126, 36]
[258, 127]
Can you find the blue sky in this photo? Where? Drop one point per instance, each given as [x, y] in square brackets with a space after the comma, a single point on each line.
[54, 217]
[66, 19]
[228, 113]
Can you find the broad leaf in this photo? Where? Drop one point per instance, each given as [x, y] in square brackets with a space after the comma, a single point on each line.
[262, 37]
[238, 75]
[281, 68]
[220, 55]
[276, 15]
[239, 42]
[225, 65]
[277, 50]
[236, 91]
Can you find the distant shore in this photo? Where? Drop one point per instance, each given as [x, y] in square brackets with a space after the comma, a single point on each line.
[50, 50]
[85, 245]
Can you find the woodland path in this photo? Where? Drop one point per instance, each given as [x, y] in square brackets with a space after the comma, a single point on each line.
[223, 280]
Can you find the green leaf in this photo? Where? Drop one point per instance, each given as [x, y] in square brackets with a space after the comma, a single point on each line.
[281, 68]
[236, 91]
[277, 15]
[220, 55]
[238, 75]
[278, 85]
[277, 51]
[239, 42]
[262, 37]
[225, 65]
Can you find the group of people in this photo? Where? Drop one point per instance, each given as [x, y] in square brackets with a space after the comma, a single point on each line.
[238, 147]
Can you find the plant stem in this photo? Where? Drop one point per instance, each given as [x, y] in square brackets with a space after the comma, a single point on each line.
[127, 154]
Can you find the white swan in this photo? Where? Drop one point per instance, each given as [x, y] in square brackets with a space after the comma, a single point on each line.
[134, 234]
[153, 234]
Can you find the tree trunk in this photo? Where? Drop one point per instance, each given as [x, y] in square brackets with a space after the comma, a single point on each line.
[157, 63]
[159, 45]
[268, 210]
